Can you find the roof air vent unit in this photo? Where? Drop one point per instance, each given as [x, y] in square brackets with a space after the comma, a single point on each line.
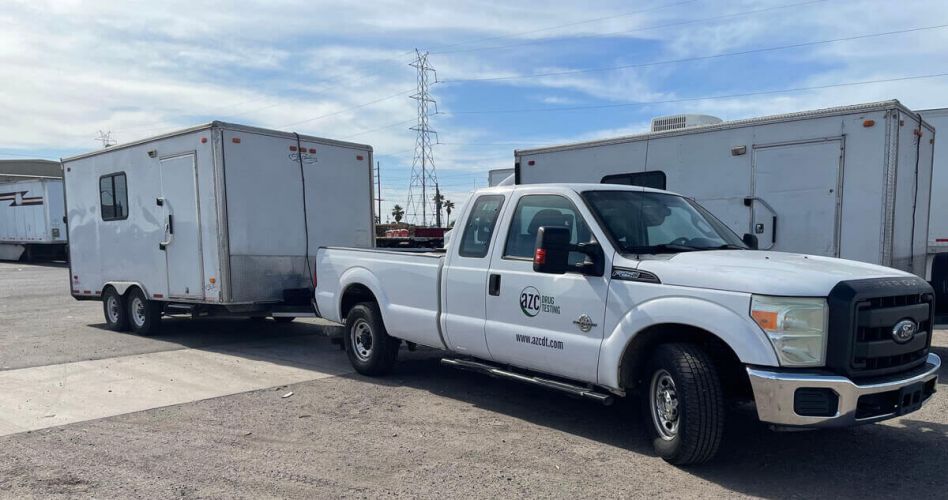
[675, 122]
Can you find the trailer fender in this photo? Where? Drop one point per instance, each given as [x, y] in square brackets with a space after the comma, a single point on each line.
[740, 333]
[122, 286]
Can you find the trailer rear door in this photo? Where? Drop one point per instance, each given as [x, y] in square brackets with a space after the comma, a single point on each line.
[182, 232]
[796, 200]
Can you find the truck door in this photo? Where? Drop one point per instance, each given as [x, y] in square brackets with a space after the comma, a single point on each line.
[542, 321]
[796, 201]
[182, 243]
[465, 278]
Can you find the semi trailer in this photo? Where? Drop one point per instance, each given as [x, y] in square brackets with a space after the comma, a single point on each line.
[32, 224]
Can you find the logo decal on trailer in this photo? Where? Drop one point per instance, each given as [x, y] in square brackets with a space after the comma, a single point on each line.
[19, 199]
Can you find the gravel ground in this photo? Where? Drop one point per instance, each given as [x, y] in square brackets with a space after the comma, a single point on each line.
[425, 431]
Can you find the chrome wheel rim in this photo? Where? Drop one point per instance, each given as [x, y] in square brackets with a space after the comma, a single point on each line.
[361, 336]
[138, 311]
[664, 404]
[112, 308]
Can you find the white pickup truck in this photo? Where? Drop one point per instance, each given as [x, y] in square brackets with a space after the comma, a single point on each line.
[603, 291]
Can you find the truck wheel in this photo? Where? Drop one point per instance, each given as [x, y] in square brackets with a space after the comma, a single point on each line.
[116, 313]
[684, 405]
[371, 351]
[144, 315]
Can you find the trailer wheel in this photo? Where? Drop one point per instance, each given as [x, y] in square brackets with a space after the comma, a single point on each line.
[368, 345]
[683, 405]
[283, 319]
[115, 310]
[144, 315]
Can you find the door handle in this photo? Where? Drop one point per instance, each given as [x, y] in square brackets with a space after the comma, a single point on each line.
[493, 285]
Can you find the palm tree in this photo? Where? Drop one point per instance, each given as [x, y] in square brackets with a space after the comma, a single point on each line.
[398, 213]
[448, 207]
[438, 199]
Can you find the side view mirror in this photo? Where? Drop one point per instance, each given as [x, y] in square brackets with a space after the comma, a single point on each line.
[551, 254]
[751, 241]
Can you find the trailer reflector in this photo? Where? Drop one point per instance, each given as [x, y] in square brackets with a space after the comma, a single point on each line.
[868, 123]
[235, 140]
[158, 295]
[292, 148]
[203, 140]
[531, 163]
[312, 150]
[359, 157]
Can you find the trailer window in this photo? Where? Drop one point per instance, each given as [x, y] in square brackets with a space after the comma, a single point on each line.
[113, 195]
[654, 179]
[480, 226]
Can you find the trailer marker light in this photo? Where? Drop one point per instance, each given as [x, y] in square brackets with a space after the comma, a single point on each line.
[531, 163]
[868, 123]
[235, 140]
[292, 148]
[158, 295]
[941, 240]
[203, 140]
[359, 157]
[312, 150]
[213, 280]
[87, 292]
[540, 256]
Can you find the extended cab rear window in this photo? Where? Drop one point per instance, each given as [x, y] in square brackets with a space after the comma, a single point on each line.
[480, 226]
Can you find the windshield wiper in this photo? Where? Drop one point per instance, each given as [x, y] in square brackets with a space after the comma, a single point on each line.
[726, 246]
[663, 248]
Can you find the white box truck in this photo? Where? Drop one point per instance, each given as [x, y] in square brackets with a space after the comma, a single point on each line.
[603, 291]
[851, 182]
[31, 219]
[215, 219]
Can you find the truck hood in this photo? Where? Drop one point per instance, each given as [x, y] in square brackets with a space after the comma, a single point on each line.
[754, 271]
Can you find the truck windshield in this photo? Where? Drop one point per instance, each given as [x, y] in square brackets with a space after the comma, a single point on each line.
[649, 222]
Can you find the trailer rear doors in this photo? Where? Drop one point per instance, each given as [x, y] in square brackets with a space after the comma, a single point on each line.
[795, 205]
[182, 241]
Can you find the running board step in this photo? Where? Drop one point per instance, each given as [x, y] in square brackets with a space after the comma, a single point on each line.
[556, 385]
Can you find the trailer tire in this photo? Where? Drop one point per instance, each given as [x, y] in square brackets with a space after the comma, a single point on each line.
[683, 404]
[144, 315]
[115, 310]
[369, 347]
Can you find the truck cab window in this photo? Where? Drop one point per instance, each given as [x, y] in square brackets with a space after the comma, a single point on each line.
[113, 197]
[536, 211]
[480, 226]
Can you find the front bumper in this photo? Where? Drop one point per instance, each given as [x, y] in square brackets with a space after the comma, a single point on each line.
[778, 402]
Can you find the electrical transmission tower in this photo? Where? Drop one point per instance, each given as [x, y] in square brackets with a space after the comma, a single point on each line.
[106, 139]
[423, 177]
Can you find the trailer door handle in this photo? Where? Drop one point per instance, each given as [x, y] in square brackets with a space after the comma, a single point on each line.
[493, 286]
[169, 228]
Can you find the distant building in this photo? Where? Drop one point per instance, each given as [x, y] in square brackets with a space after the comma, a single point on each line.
[13, 170]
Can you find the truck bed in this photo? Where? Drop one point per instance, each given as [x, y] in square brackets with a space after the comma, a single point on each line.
[405, 283]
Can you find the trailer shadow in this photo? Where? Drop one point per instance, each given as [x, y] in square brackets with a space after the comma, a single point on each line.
[753, 460]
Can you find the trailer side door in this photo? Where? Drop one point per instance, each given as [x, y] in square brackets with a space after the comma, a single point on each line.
[796, 201]
[182, 244]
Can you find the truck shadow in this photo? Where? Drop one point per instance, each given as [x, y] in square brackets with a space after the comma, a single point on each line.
[753, 460]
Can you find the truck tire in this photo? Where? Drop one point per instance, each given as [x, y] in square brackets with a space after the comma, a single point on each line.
[684, 404]
[115, 310]
[370, 349]
[144, 315]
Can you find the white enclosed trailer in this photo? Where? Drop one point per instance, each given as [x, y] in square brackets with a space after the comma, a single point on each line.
[219, 218]
[31, 219]
[938, 218]
[851, 182]
[498, 175]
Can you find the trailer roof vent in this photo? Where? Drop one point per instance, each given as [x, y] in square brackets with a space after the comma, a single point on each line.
[675, 122]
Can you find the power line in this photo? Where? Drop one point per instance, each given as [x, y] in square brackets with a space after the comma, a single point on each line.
[637, 30]
[383, 127]
[697, 58]
[701, 98]
[550, 28]
[351, 108]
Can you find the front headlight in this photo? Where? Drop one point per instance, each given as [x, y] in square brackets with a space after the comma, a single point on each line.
[796, 327]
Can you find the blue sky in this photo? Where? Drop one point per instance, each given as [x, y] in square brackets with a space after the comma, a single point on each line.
[70, 68]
